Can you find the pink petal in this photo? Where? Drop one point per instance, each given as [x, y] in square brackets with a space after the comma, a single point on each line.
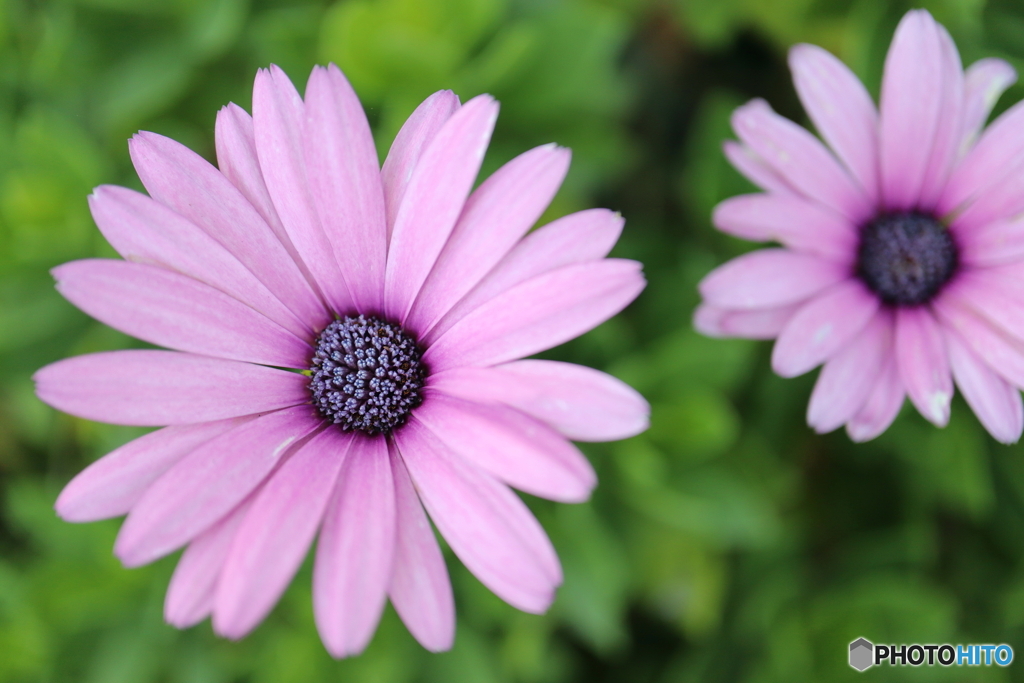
[770, 278]
[487, 526]
[882, 406]
[996, 243]
[419, 589]
[759, 323]
[193, 587]
[181, 179]
[206, 484]
[996, 403]
[110, 486]
[145, 231]
[912, 96]
[996, 294]
[800, 158]
[356, 549]
[495, 217]
[997, 155]
[923, 363]
[1003, 199]
[841, 109]
[276, 533]
[538, 314]
[415, 135]
[279, 123]
[997, 349]
[755, 169]
[510, 446]
[580, 402]
[795, 222]
[948, 133]
[239, 162]
[822, 327]
[577, 238]
[984, 82]
[434, 198]
[848, 378]
[168, 309]
[344, 177]
[155, 388]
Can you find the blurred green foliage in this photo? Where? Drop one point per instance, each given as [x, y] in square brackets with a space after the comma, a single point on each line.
[729, 543]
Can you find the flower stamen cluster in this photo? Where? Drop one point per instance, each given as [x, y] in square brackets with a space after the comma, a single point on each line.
[906, 257]
[367, 374]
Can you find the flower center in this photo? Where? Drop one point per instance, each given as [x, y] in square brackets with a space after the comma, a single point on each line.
[367, 374]
[906, 258]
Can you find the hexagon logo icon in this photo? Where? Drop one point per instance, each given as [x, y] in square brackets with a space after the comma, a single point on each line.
[861, 651]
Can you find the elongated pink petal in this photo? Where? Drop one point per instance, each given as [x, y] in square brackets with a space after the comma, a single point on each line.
[984, 82]
[156, 388]
[344, 176]
[997, 349]
[582, 403]
[419, 588]
[1004, 283]
[994, 243]
[511, 446]
[800, 158]
[847, 380]
[495, 217]
[997, 243]
[996, 403]
[541, 313]
[110, 486]
[755, 169]
[193, 587]
[996, 296]
[206, 484]
[577, 238]
[415, 135]
[758, 323]
[276, 533]
[176, 176]
[436, 193]
[949, 130]
[823, 326]
[998, 154]
[882, 406]
[841, 109]
[1003, 199]
[279, 123]
[795, 222]
[356, 549]
[923, 363]
[910, 106]
[145, 231]
[168, 309]
[239, 162]
[487, 526]
[769, 278]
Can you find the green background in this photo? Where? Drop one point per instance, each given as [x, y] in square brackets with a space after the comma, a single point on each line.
[728, 543]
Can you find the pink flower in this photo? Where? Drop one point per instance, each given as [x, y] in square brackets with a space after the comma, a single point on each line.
[406, 302]
[902, 259]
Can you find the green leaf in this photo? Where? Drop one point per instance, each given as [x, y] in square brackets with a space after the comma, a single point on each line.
[951, 466]
[593, 598]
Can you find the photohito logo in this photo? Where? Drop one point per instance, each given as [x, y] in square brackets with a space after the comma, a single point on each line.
[865, 654]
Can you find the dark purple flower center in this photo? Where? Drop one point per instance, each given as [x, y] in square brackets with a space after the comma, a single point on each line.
[367, 374]
[906, 257]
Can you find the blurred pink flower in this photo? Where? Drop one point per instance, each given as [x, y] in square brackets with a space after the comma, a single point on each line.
[406, 302]
[902, 259]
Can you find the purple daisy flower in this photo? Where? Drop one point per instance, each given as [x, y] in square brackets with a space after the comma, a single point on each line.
[902, 259]
[406, 302]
